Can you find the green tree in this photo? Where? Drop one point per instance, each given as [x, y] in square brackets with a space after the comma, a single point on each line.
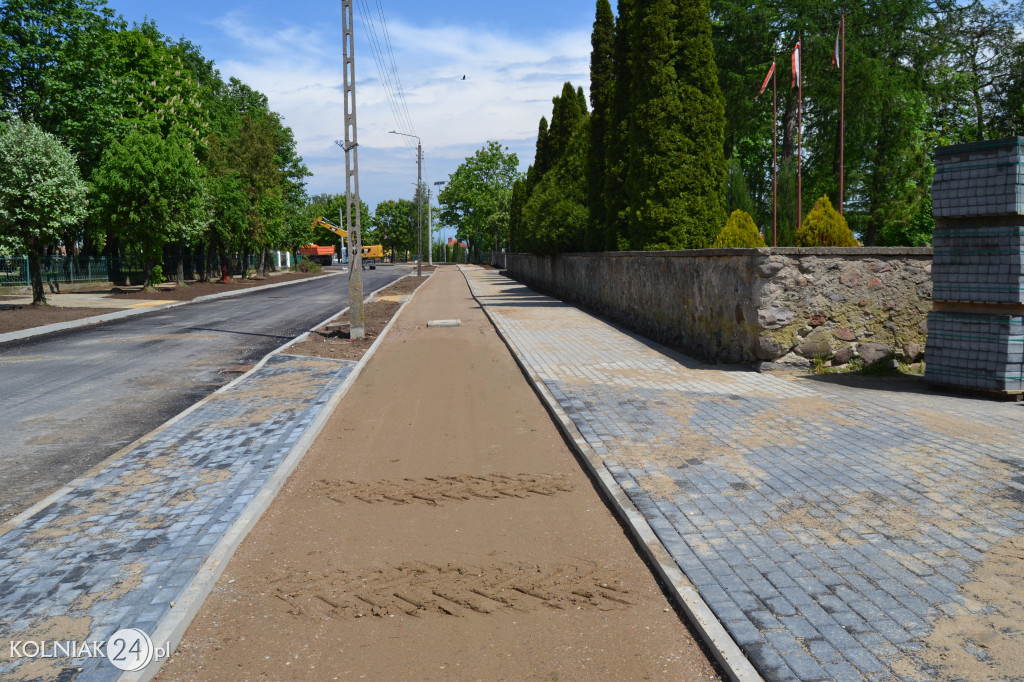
[477, 197]
[616, 142]
[150, 192]
[41, 193]
[567, 109]
[602, 94]
[252, 159]
[394, 222]
[675, 174]
[55, 69]
[157, 87]
[555, 216]
[739, 232]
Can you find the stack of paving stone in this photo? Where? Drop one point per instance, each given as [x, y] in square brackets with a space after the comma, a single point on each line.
[976, 327]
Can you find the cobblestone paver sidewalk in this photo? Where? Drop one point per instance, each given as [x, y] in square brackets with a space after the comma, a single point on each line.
[837, 532]
[120, 548]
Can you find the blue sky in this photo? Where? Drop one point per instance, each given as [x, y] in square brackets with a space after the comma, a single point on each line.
[515, 57]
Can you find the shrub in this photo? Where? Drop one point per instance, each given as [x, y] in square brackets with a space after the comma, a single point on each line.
[824, 226]
[306, 265]
[739, 232]
[156, 276]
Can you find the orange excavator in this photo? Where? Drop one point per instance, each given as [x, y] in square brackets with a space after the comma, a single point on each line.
[325, 254]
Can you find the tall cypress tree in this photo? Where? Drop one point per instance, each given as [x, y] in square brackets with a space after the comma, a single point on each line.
[554, 214]
[567, 110]
[616, 142]
[541, 157]
[601, 95]
[676, 167]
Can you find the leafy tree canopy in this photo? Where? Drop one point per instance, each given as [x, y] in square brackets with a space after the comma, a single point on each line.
[150, 191]
[477, 196]
[41, 192]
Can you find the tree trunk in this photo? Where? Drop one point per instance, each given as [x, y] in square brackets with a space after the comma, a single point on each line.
[35, 272]
[181, 265]
[208, 262]
[789, 121]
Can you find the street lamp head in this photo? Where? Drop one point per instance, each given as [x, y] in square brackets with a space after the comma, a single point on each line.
[395, 132]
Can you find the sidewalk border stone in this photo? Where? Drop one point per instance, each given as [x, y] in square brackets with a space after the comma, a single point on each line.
[725, 650]
[107, 317]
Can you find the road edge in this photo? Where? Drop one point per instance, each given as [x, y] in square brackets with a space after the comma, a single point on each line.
[132, 312]
[172, 627]
[725, 650]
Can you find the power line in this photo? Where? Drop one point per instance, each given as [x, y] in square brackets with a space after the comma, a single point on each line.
[389, 76]
[376, 50]
[401, 90]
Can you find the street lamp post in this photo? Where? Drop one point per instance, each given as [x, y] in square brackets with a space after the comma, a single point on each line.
[419, 201]
[440, 238]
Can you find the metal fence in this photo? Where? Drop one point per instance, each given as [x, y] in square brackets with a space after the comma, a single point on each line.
[129, 267]
[55, 269]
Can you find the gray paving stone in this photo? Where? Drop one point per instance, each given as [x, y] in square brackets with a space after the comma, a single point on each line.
[876, 502]
[158, 545]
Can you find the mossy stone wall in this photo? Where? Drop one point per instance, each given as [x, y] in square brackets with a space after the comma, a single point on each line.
[781, 306]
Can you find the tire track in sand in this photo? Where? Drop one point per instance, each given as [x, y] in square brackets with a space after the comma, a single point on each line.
[421, 589]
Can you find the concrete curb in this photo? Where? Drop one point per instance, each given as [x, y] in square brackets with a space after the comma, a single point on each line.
[107, 317]
[715, 636]
[174, 625]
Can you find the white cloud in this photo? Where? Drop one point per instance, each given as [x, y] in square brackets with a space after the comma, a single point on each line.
[509, 85]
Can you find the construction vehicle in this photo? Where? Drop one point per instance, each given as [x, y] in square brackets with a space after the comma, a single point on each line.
[324, 255]
[373, 253]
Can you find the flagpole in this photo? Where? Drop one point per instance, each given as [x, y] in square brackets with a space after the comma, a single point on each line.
[799, 135]
[842, 107]
[775, 158]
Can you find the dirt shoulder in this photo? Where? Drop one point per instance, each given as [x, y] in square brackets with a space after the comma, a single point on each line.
[15, 316]
[332, 340]
[438, 529]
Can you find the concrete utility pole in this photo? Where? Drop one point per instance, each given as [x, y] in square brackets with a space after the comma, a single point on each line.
[440, 237]
[356, 316]
[419, 201]
[419, 208]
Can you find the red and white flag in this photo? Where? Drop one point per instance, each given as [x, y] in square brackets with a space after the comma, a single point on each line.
[796, 65]
[771, 72]
[835, 52]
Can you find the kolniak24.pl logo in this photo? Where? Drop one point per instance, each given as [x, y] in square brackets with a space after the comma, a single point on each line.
[129, 649]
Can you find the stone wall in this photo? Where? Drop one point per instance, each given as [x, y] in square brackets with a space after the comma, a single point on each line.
[782, 306]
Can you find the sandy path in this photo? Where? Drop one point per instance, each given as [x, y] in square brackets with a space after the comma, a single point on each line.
[439, 529]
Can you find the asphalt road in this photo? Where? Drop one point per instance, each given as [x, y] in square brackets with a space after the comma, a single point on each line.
[71, 399]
